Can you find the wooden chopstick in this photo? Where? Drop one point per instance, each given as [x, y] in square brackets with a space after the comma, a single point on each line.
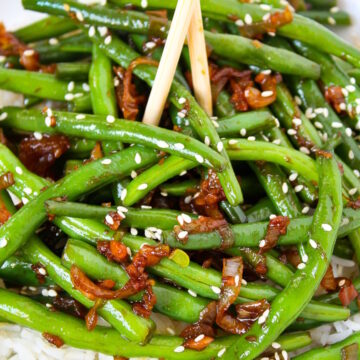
[168, 62]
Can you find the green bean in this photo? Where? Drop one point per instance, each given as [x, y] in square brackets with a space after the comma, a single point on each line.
[322, 4]
[179, 188]
[117, 312]
[239, 149]
[234, 213]
[71, 166]
[223, 106]
[260, 211]
[80, 148]
[294, 341]
[78, 71]
[333, 352]
[300, 28]
[17, 229]
[96, 127]
[49, 27]
[287, 306]
[26, 312]
[328, 17]
[331, 74]
[354, 238]
[253, 122]
[138, 218]
[175, 303]
[102, 92]
[355, 73]
[45, 86]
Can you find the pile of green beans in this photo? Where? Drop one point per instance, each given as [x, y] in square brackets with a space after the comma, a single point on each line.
[123, 181]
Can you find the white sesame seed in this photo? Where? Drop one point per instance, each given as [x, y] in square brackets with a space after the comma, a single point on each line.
[342, 106]
[248, 19]
[239, 22]
[301, 266]
[292, 132]
[272, 216]
[348, 132]
[232, 142]
[251, 138]
[352, 81]
[80, 117]
[350, 88]
[53, 41]
[69, 97]
[216, 289]
[45, 292]
[276, 345]
[144, 4]
[353, 191]
[336, 124]
[266, 17]
[305, 210]
[326, 227]
[305, 258]
[179, 349]
[116, 81]
[188, 199]
[351, 155]
[331, 20]
[186, 218]
[107, 40]
[179, 146]
[123, 194]
[182, 234]
[266, 72]
[86, 87]
[29, 52]
[221, 352]
[48, 121]
[181, 115]
[182, 101]
[334, 9]
[142, 186]
[180, 220]
[110, 119]
[52, 293]
[265, 7]
[262, 243]
[318, 125]
[199, 158]
[243, 132]
[137, 158]
[150, 45]
[133, 231]
[27, 191]
[2, 58]
[277, 142]
[297, 122]
[24, 200]
[357, 173]
[106, 161]
[285, 188]
[313, 243]
[207, 140]
[345, 92]
[267, 93]
[304, 150]
[297, 100]
[3, 243]
[293, 176]
[3, 116]
[194, 294]
[103, 30]
[220, 146]
[133, 174]
[184, 172]
[162, 144]
[342, 282]
[263, 317]
[298, 188]
[109, 219]
[19, 170]
[277, 357]
[92, 31]
[216, 124]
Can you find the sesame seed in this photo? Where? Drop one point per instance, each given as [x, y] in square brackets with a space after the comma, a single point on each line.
[265, 7]
[3, 116]
[199, 158]
[103, 30]
[251, 138]
[348, 132]
[263, 317]
[182, 234]
[304, 150]
[350, 88]
[69, 97]
[116, 81]
[137, 158]
[318, 125]
[342, 282]
[266, 17]
[186, 218]
[109, 219]
[266, 72]
[267, 93]
[86, 87]
[179, 146]
[18, 170]
[216, 289]
[107, 40]
[44, 292]
[122, 209]
[292, 132]
[199, 338]
[326, 227]
[297, 122]
[123, 194]
[80, 117]
[182, 101]
[133, 231]
[188, 199]
[276, 345]
[262, 243]
[216, 124]
[150, 45]
[29, 52]
[181, 114]
[24, 200]
[243, 132]
[301, 266]
[272, 216]
[313, 243]
[48, 121]
[144, 4]
[299, 188]
[243, 282]
[305, 258]
[3, 243]
[53, 41]
[336, 124]
[27, 191]
[277, 357]
[331, 20]
[342, 106]
[221, 352]
[207, 140]
[285, 188]
[92, 31]
[220, 146]
[297, 100]
[106, 161]
[164, 193]
[305, 210]
[194, 294]
[232, 142]
[163, 144]
[239, 22]
[353, 191]
[352, 81]
[248, 19]
[179, 349]
[110, 119]
[334, 9]
[52, 293]
[351, 155]
[180, 220]
[345, 92]
[133, 174]
[184, 172]
[142, 186]
[293, 176]
[357, 173]
[277, 142]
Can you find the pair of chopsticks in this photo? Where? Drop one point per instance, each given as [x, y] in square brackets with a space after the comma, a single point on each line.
[187, 21]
